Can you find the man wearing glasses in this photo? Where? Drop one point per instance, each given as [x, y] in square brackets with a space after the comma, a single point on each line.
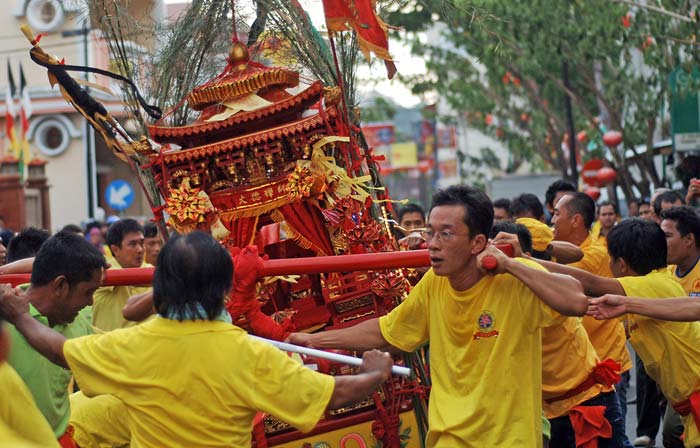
[484, 330]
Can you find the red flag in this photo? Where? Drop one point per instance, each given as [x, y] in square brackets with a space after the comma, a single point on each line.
[361, 16]
[10, 112]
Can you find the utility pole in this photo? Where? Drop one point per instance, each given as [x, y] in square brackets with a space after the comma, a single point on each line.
[573, 168]
[88, 132]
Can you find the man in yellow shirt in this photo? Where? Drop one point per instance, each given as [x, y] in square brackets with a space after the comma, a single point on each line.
[187, 377]
[573, 216]
[670, 351]
[608, 216]
[125, 239]
[18, 411]
[569, 365]
[681, 225]
[484, 331]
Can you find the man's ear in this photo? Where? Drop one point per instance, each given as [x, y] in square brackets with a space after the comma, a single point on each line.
[578, 220]
[479, 243]
[689, 240]
[60, 286]
[624, 267]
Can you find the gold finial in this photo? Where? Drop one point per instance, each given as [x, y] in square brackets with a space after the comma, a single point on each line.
[238, 57]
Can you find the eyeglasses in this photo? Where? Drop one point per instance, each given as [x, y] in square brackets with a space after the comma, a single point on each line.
[443, 235]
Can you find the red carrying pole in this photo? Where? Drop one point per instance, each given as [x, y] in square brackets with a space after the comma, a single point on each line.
[288, 266]
[285, 266]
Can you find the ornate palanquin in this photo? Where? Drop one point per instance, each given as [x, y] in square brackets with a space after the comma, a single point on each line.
[272, 163]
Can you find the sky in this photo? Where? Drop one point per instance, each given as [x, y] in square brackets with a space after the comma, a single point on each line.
[374, 78]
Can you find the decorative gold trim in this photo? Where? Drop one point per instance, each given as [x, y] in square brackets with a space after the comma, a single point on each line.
[203, 96]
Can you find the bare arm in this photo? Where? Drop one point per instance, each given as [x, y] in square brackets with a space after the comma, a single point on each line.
[363, 336]
[564, 252]
[561, 292]
[609, 306]
[376, 368]
[22, 266]
[593, 285]
[139, 306]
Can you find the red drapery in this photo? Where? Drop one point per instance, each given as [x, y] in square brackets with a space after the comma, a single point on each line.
[306, 226]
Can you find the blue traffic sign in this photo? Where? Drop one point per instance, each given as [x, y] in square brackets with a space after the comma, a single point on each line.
[119, 194]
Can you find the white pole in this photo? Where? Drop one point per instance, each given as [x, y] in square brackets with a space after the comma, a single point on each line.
[345, 359]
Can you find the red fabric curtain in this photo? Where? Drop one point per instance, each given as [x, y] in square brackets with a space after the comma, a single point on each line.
[242, 230]
[306, 221]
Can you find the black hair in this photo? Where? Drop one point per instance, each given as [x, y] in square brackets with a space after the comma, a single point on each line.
[667, 196]
[479, 208]
[72, 228]
[92, 225]
[150, 230]
[524, 205]
[502, 203]
[26, 244]
[583, 205]
[641, 243]
[687, 221]
[524, 236]
[554, 188]
[411, 208]
[69, 255]
[121, 228]
[605, 203]
[193, 275]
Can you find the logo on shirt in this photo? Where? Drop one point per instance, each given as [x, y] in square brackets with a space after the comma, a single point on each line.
[485, 325]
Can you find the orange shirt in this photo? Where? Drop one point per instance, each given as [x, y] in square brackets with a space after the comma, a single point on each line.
[607, 336]
[568, 358]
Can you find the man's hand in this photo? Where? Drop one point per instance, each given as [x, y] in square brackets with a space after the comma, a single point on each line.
[608, 306]
[509, 238]
[500, 257]
[13, 303]
[412, 241]
[247, 267]
[377, 361]
[302, 339]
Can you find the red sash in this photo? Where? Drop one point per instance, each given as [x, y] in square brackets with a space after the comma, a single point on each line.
[66, 440]
[690, 406]
[589, 423]
[605, 372]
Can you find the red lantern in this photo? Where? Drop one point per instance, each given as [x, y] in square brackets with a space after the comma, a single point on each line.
[606, 176]
[612, 138]
[581, 136]
[593, 192]
[424, 166]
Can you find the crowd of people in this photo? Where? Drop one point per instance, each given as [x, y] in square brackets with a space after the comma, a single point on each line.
[532, 352]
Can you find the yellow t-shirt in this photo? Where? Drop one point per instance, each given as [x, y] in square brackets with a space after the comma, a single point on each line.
[568, 358]
[670, 351]
[690, 281]
[99, 422]
[19, 411]
[108, 302]
[10, 438]
[196, 383]
[485, 358]
[607, 336]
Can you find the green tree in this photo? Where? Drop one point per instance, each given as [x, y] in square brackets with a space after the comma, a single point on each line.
[499, 62]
